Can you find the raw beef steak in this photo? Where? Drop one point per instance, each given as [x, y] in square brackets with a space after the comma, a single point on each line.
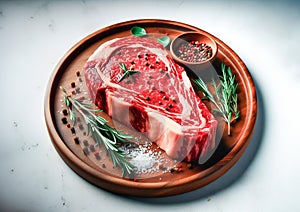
[157, 100]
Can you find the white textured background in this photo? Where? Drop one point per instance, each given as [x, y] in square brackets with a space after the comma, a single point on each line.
[34, 35]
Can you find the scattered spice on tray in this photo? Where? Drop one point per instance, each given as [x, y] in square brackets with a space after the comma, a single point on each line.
[194, 51]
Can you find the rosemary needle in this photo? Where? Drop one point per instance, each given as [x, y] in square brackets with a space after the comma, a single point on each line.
[126, 72]
[101, 132]
[226, 95]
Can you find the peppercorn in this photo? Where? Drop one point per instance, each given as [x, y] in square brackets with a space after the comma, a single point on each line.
[98, 157]
[81, 127]
[76, 140]
[194, 51]
[85, 143]
[86, 151]
[65, 112]
[92, 148]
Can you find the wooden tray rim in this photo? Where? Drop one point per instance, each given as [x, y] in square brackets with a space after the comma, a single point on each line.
[93, 175]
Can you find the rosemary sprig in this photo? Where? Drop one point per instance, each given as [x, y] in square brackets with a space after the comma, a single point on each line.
[126, 72]
[101, 132]
[226, 95]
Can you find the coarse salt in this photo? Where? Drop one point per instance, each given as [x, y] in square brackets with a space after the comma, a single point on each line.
[143, 158]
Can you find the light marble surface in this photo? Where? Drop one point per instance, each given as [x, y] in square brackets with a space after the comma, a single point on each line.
[35, 35]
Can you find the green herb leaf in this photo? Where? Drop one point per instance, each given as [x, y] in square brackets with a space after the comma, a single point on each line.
[62, 89]
[164, 40]
[123, 76]
[72, 116]
[126, 72]
[138, 31]
[66, 101]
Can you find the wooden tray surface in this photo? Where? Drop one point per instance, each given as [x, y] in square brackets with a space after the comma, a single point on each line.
[106, 176]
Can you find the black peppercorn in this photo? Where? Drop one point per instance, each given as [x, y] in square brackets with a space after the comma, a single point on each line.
[76, 140]
[86, 143]
[86, 151]
[65, 112]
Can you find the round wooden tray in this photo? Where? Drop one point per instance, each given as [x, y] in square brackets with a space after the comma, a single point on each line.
[69, 141]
